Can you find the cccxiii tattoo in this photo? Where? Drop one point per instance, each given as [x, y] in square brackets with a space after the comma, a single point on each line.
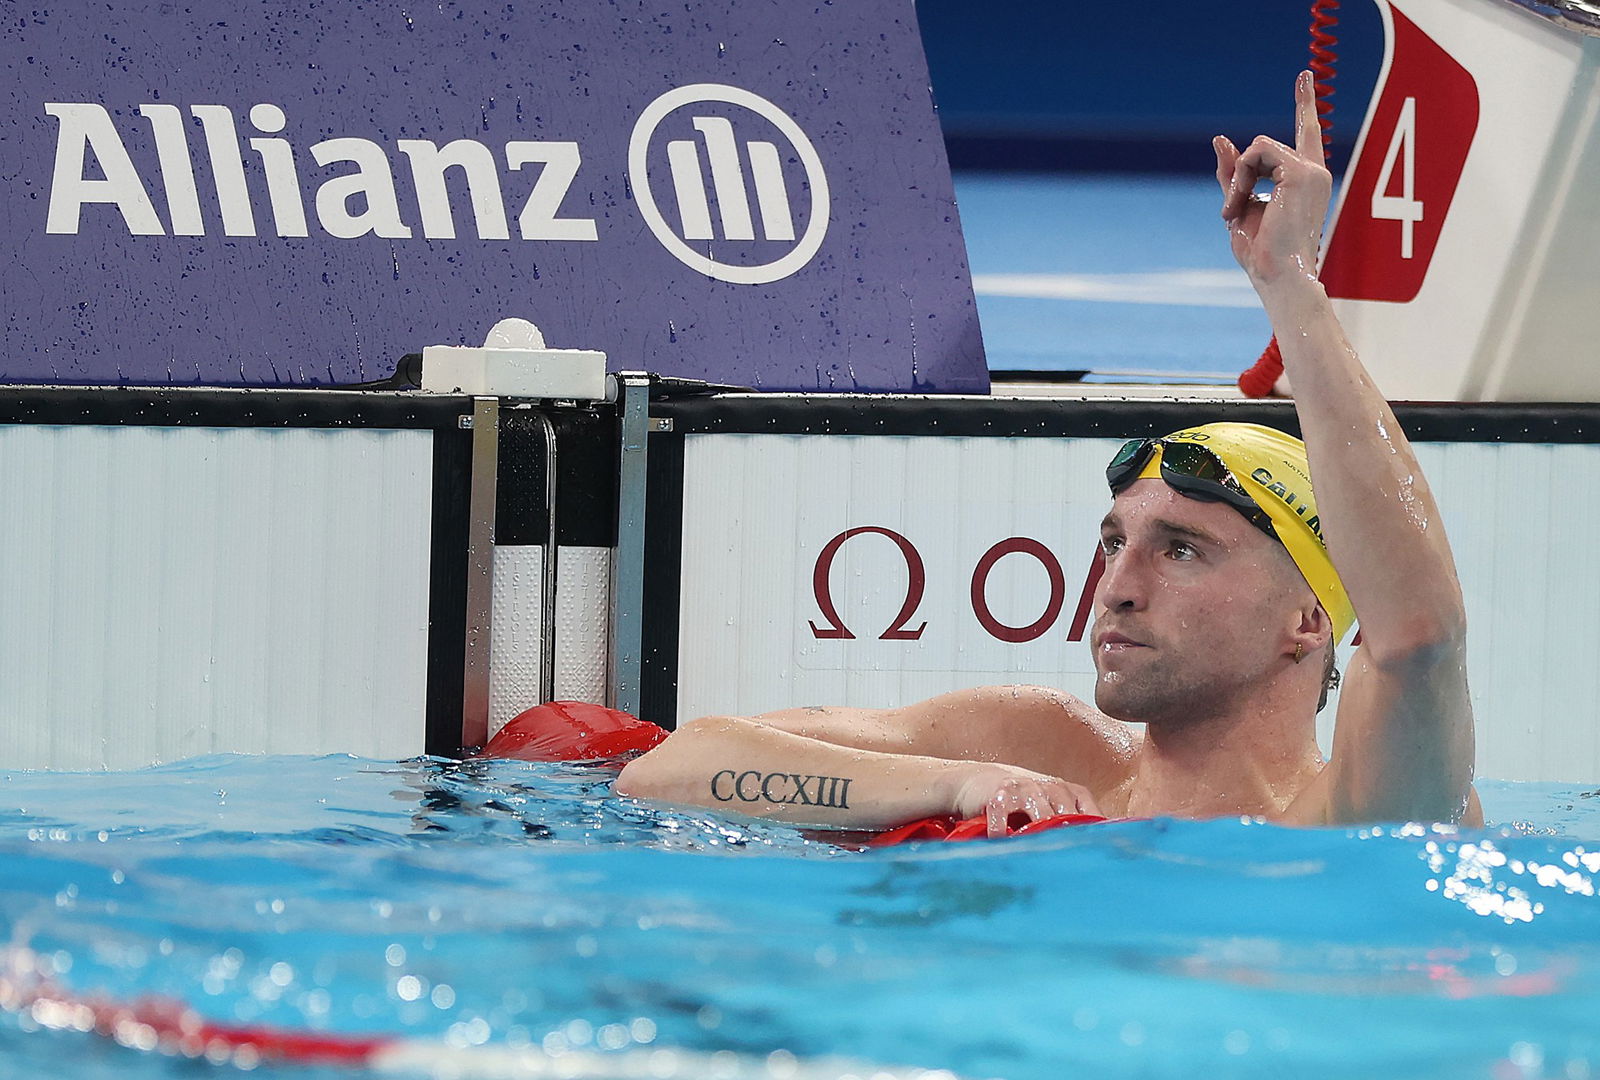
[781, 788]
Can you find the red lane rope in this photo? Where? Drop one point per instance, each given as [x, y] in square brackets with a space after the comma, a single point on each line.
[1263, 375]
[169, 1026]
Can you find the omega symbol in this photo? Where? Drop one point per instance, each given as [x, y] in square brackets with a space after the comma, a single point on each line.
[726, 160]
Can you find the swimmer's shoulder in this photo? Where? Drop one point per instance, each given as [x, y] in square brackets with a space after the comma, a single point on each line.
[1043, 729]
[1314, 806]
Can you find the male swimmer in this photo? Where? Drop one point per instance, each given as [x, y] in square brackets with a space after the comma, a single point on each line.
[1226, 588]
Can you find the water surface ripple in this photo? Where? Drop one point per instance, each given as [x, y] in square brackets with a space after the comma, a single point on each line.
[508, 905]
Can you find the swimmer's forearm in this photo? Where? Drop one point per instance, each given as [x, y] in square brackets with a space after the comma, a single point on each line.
[1383, 528]
[733, 764]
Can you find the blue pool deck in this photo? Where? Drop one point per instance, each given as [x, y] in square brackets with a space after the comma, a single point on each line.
[1127, 277]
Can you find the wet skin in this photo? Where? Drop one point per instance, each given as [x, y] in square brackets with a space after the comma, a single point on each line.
[1196, 606]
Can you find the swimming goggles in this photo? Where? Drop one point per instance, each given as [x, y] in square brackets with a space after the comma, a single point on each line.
[1192, 471]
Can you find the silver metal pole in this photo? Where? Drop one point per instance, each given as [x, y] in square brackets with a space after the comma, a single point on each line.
[547, 597]
[627, 562]
[480, 569]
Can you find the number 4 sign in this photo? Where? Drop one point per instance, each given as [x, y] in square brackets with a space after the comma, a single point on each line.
[1405, 208]
[1394, 206]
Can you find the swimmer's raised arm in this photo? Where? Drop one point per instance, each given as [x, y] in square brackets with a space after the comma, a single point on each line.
[1403, 742]
[875, 768]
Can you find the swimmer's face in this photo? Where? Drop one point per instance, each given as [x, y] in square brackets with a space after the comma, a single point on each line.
[1196, 606]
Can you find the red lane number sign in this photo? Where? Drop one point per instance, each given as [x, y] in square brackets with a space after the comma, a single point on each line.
[1400, 187]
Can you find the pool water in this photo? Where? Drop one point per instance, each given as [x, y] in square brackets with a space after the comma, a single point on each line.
[1128, 277]
[523, 922]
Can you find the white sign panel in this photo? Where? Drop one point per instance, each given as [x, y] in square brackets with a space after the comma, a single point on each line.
[876, 570]
[879, 570]
[174, 591]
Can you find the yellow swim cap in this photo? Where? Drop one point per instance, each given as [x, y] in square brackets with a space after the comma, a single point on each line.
[1272, 468]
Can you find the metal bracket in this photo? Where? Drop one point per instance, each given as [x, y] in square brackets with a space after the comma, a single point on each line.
[1580, 15]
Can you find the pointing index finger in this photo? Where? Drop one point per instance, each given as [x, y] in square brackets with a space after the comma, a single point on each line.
[1307, 128]
[1227, 157]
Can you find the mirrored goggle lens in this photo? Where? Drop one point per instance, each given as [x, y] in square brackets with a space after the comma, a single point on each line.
[1200, 474]
[1128, 463]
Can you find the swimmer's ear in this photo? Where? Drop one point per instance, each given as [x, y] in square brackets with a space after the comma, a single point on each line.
[1314, 631]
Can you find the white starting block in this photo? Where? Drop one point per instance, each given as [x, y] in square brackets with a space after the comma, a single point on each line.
[515, 362]
[1464, 254]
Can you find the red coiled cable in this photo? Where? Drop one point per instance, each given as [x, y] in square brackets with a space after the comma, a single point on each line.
[1324, 17]
[1258, 381]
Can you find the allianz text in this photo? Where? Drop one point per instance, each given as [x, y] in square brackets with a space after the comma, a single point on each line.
[351, 204]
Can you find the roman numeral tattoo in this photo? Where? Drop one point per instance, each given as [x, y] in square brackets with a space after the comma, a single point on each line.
[781, 788]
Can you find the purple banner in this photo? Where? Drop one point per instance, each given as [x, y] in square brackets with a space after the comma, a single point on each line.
[746, 191]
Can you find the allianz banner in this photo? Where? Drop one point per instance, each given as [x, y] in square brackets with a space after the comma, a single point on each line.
[746, 191]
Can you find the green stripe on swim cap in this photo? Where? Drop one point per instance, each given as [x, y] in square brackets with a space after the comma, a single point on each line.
[1271, 466]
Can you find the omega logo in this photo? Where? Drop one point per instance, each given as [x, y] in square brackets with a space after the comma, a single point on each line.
[728, 184]
[916, 583]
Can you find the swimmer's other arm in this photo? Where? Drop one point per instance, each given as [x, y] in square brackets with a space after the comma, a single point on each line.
[1403, 737]
[878, 768]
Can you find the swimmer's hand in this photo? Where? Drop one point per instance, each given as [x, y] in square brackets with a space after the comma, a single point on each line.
[1275, 237]
[999, 791]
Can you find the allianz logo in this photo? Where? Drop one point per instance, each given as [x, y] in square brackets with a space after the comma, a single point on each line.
[365, 201]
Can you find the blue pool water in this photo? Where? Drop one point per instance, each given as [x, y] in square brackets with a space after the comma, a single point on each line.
[507, 905]
[1123, 276]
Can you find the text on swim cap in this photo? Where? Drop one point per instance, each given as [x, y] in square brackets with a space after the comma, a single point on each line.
[1291, 500]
